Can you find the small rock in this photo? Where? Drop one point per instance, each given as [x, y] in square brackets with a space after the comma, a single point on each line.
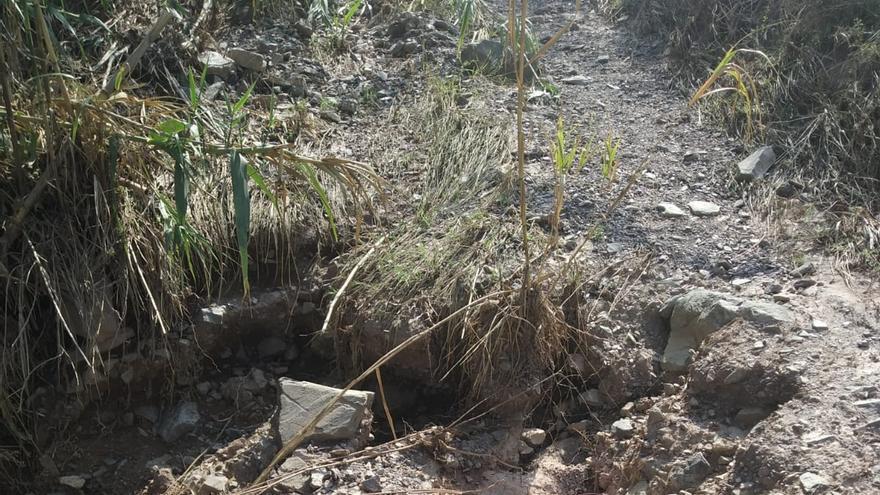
[781, 298]
[303, 29]
[331, 116]
[576, 81]
[316, 480]
[749, 416]
[216, 64]
[669, 210]
[182, 419]
[695, 469]
[271, 346]
[348, 106]
[372, 485]
[248, 60]
[214, 484]
[623, 428]
[73, 481]
[812, 482]
[299, 400]
[403, 48]
[484, 54]
[757, 164]
[774, 289]
[525, 449]
[704, 208]
[592, 398]
[603, 59]
[807, 268]
[819, 324]
[535, 437]
[868, 403]
[804, 283]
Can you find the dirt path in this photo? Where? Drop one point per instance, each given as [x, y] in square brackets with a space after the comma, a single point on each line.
[826, 437]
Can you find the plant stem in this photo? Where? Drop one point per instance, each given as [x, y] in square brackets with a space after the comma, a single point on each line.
[521, 145]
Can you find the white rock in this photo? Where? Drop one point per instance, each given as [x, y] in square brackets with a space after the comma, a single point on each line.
[704, 208]
[534, 436]
[576, 80]
[73, 481]
[819, 324]
[623, 428]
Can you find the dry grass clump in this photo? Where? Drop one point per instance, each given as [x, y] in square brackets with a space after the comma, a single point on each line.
[120, 210]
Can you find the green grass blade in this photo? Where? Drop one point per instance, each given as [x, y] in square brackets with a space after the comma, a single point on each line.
[241, 203]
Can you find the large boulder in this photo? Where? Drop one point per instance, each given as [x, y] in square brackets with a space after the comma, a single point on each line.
[300, 401]
[699, 313]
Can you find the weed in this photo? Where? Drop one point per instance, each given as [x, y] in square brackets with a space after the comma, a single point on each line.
[609, 156]
[743, 88]
[567, 157]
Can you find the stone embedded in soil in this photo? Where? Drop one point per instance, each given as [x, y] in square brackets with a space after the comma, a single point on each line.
[73, 481]
[756, 165]
[182, 419]
[812, 482]
[623, 428]
[748, 417]
[330, 116]
[819, 324]
[295, 463]
[488, 54]
[216, 64]
[534, 436]
[300, 401]
[699, 313]
[213, 484]
[805, 269]
[669, 210]
[576, 81]
[372, 485]
[704, 208]
[691, 473]
[249, 60]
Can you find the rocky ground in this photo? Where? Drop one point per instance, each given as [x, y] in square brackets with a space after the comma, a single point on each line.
[731, 360]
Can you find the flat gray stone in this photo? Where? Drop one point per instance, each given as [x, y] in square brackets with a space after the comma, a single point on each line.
[812, 482]
[577, 81]
[301, 401]
[757, 164]
[216, 64]
[670, 210]
[248, 60]
[704, 208]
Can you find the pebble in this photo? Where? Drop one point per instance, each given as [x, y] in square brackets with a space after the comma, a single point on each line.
[73, 481]
[576, 80]
[534, 436]
[819, 324]
[669, 210]
[804, 283]
[781, 298]
[215, 484]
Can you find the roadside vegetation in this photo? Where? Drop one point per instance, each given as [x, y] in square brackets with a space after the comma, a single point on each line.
[802, 76]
